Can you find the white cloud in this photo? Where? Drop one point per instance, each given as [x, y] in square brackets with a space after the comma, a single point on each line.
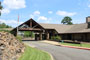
[31, 16]
[42, 18]
[5, 11]
[65, 13]
[12, 4]
[36, 13]
[10, 21]
[50, 12]
[89, 5]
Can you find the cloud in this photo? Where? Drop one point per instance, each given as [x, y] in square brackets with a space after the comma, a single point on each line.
[50, 12]
[65, 13]
[89, 5]
[12, 4]
[42, 18]
[5, 11]
[36, 13]
[32, 16]
[10, 21]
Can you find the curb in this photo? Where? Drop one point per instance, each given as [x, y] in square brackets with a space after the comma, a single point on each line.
[76, 47]
[83, 48]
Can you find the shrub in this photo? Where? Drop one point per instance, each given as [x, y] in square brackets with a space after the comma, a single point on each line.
[5, 31]
[19, 38]
[56, 38]
[28, 34]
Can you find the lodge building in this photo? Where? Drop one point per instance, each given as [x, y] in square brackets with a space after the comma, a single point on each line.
[80, 32]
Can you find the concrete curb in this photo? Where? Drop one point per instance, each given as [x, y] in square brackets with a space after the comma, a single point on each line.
[76, 47]
[83, 48]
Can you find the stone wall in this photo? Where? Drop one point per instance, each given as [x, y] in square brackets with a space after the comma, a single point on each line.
[10, 47]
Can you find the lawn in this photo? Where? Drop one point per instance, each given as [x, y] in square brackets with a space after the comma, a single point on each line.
[79, 45]
[34, 54]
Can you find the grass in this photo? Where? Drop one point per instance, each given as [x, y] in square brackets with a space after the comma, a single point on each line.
[78, 45]
[34, 54]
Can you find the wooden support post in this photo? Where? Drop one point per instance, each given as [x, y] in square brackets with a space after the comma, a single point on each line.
[31, 24]
[47, 36]
[40, 36]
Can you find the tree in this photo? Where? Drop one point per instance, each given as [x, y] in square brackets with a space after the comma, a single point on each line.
[3, 25]
[0, 8]
[67, 20]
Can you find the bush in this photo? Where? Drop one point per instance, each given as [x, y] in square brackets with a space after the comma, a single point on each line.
[28, 34]
[19, 38]
[56, 38]
[5, 31]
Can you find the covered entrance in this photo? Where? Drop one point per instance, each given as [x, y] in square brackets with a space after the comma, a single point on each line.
[31, 26]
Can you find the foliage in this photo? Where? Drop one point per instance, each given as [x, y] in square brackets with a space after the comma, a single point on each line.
[5, 31]
[34, 54]
[56, 38]
[3, 25]
[0, 8]
[19, 38]
[67, 20]
[28, 34]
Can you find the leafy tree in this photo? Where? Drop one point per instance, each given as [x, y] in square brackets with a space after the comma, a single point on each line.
[28, 34]
[67, 20]
[3, 25]
[0, 8]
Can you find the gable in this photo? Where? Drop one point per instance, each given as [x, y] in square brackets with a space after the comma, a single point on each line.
[30, 24]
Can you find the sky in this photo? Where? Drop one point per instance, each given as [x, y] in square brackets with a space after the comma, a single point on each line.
[44, 11]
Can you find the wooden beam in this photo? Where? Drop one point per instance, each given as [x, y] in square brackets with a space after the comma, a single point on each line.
[35, 26]
[30, 29]
[31, 24]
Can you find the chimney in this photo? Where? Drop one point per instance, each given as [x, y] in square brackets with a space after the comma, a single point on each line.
[88, 21]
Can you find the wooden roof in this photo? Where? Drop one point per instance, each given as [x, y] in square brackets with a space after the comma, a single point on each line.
[60, 28]
[32, 26]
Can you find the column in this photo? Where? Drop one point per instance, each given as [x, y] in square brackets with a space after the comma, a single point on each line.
[40, 36]
[47, 36]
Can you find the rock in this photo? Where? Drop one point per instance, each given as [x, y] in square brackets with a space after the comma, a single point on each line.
[10, 47]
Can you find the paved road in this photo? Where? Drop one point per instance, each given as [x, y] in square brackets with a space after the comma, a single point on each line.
[62, 53]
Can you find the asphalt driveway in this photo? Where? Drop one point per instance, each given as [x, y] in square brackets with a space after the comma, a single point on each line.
[61, 53]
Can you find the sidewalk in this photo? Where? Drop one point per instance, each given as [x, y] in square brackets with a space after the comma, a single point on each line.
[51, 42]
[58, 44]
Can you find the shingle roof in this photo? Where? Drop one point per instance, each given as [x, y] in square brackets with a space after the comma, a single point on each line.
[60, 28]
